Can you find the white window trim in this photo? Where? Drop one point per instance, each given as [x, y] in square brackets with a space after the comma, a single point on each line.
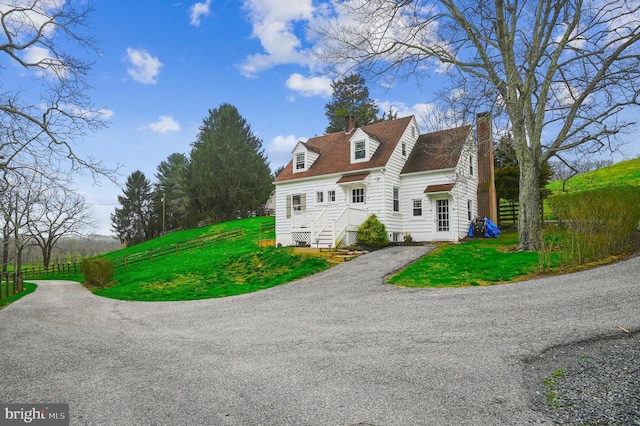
[296, 163]
[331, 194]
[364, 195]
[320, 197]
[395, 207]
[298, 205]
[365, 150]
[414, 208]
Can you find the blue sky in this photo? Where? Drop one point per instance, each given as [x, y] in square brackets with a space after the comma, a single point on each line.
[163, 65]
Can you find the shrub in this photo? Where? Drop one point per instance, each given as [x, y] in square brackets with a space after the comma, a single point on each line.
[98, 271]
[373, 233]
[598, 223]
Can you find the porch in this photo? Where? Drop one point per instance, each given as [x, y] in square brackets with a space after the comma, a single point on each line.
[316, 228]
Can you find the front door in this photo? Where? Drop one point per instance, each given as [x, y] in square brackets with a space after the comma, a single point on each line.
[442, 219]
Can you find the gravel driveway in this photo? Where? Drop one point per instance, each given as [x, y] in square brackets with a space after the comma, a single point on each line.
[338, 348]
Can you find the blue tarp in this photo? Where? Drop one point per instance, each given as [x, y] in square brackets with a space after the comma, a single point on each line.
[490, 229]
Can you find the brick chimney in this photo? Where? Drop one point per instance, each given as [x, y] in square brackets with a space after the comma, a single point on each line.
[487, 198]
[349, 124]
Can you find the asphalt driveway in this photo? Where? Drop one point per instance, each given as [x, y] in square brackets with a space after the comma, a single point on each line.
[339, 348]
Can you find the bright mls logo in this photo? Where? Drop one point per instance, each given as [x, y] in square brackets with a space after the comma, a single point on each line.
[34, 414]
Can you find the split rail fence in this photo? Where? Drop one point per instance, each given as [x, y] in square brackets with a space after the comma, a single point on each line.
[176, 248]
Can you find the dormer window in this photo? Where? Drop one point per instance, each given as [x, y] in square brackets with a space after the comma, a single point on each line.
[300, 161]
[359, 150]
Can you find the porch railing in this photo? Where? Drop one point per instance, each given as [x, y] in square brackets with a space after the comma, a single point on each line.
[303, 218]
[320, 223]
[348, 217]
[317, 221]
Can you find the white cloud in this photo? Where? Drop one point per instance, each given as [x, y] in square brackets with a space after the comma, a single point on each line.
[165, 124]
[105, 113]
[198, 11]
[404, 110]
[274, 24]
[47, 65]
[30, 18]
[279, 149]
[310, 86]
[144, 68]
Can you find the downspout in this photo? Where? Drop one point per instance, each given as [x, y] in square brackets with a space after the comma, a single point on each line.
[384, 196]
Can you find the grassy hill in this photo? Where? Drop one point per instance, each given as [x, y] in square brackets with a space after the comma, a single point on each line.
[223, 268]
[623, 173]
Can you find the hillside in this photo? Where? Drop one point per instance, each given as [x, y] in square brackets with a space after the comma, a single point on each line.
[625, 172]
[218, 268]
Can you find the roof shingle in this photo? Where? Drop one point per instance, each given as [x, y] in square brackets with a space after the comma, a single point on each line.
[437, 150]
[335, 153]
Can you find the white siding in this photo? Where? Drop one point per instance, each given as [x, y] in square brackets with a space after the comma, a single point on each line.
[310, 187]
[394, 220]
[465, 189]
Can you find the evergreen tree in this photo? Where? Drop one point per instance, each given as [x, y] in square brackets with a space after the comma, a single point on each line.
[229, 174]
[351, 97]
[136, 221]
[172, 185]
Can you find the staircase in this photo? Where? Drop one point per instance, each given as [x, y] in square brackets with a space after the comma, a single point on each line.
[323, 239]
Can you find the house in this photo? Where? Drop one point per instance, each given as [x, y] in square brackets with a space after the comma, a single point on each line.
[429, 186]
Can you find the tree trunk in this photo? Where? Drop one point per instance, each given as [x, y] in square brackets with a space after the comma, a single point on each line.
[46, 257]
[529, 220]
[5, 250]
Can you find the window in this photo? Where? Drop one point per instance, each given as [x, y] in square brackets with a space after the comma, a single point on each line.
[296, 202]
[417, 207]
[404, 149]
[357, 195]
[396, 199]
[469, 209]
[320, 197]
[331, 196]
[300, 161]
[471, 165]
[359, 151]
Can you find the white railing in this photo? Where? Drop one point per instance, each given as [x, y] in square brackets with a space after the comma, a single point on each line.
[348, 217]
[303, 218]
[319, 224]
[317, 221]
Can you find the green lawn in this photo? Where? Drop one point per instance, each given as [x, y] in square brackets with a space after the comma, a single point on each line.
[623, 173]
[222, 269]
[474, 262]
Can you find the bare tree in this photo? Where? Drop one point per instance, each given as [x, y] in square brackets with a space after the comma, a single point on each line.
[49, 109]
[16, 209]
[560, 72]
[58, 212]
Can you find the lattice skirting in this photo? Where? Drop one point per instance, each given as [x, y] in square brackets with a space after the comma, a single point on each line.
[350, 239]
[301, 238]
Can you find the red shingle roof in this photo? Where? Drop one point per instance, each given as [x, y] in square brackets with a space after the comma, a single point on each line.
[353, 178]
[437, 150]
[445, 187]
[335, 153]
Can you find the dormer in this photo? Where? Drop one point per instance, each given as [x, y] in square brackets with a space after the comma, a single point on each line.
[362, 146]
[303, 157]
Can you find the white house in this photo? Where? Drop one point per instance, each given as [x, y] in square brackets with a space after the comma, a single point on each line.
[429, 186]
